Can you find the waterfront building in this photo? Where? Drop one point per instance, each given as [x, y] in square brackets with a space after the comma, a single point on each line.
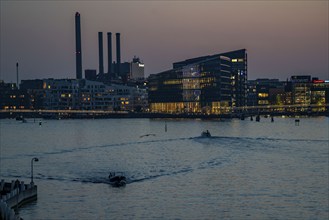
[61, 94]
[209, 84]
[35, 92]
[301, 89]
[320, 95]
[301, 93]
[307, 93]
[11, 97]
[239, 74]
[263, 92]
[75, 94]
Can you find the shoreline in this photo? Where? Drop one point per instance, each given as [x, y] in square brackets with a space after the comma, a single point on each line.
[20, 115]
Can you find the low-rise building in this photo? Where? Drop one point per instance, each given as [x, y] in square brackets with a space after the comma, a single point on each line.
[11, 97]
[81, 94]
[263, 92]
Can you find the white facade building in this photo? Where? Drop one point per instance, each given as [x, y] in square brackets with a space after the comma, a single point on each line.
[67, 94]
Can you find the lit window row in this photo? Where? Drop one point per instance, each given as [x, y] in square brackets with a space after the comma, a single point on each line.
[262, 95]
[237, 60]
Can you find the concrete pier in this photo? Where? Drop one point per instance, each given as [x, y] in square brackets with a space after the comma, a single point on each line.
[13, 195]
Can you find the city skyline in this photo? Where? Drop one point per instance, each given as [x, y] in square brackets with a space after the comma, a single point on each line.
[281, 38]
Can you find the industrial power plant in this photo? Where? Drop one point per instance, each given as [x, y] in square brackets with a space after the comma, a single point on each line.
[117, 72]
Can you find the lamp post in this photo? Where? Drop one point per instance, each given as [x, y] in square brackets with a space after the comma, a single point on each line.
[36, 160]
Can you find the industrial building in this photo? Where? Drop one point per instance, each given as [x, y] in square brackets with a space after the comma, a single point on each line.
[117, 71]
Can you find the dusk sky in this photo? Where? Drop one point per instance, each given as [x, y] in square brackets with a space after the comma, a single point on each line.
[282, 38]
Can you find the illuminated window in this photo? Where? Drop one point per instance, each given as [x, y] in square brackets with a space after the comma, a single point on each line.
[172, 82]
[234, 60]
[262, 102]
[262, 95]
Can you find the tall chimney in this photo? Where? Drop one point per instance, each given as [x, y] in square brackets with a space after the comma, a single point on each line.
[17, 74]
[109, 54]
[100, 50]
[78, 54]
[118, 54]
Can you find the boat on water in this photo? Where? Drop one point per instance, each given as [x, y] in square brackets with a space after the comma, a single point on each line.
[21, 118]
[205, 134]
[117, 179]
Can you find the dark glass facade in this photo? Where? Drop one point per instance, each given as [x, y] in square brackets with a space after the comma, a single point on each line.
[208, 84]
[239, 72]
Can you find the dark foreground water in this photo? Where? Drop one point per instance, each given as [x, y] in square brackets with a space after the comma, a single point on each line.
[247, 170]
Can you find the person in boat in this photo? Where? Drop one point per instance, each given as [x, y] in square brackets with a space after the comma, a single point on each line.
[206, 134]
[117, 180]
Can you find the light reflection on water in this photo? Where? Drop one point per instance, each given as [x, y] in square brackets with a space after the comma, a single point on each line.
[247, 170]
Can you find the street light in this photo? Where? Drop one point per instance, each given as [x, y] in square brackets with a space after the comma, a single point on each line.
[36, 160]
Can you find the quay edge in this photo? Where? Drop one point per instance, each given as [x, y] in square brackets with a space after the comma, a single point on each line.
[14, 195]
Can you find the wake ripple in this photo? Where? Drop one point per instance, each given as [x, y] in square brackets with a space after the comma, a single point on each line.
[199, 138]
[63, 151]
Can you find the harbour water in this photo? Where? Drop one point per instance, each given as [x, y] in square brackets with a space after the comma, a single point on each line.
[246, 170]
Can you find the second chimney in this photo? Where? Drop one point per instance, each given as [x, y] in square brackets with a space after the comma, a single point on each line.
[109, 54]
[118, 54]
[100, 49]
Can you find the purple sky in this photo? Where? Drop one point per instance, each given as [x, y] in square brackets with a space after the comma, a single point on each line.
[282, 38]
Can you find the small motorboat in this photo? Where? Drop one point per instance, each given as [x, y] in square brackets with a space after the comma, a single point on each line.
[117, 179]
[205, 134]
[21, 118]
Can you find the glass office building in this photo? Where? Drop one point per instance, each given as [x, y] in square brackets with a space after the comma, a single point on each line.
[209, 84]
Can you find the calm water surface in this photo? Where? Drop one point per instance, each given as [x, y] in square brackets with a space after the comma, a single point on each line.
[247, 170]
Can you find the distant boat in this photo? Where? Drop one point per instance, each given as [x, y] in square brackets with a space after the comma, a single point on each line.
[205, 134]
[21, 118]
[117, 179]
[146, 135]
